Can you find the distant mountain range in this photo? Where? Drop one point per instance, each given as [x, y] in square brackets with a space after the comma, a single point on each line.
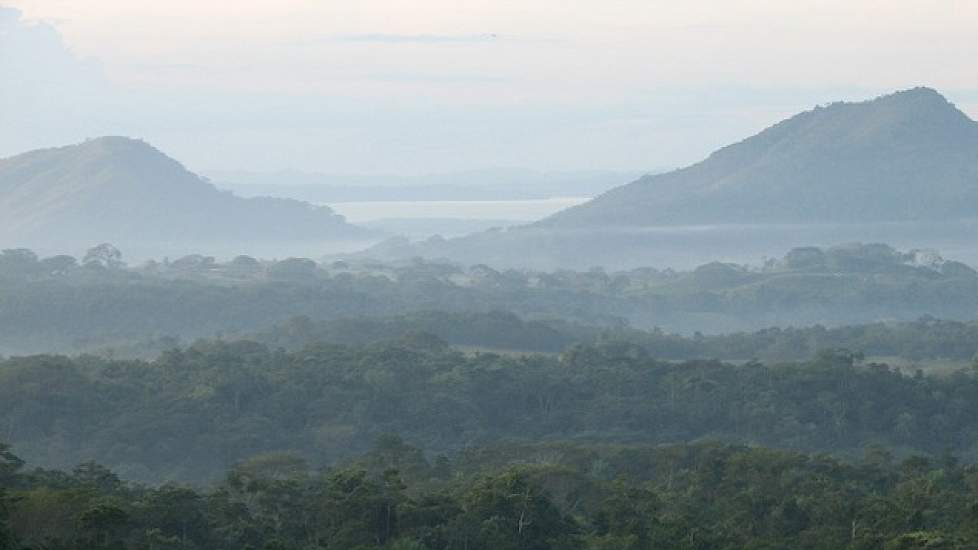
[894, 169]
[474, 185]
[121, 190]
[908, 156]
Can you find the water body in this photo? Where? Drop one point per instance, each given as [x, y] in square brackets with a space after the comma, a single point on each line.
[517, 211]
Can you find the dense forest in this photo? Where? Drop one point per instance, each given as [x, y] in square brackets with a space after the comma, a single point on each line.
[422, 405]
[923, 340]
[539, 497]
[194, 412]
[62, 304]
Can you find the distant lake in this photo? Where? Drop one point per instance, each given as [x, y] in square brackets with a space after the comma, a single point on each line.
[508, 210]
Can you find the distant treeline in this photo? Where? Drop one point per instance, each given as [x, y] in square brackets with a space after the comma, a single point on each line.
[194, 412]
[535, 497]
[63, 304]
[925, 338]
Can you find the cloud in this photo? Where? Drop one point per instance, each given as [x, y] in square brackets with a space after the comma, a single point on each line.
[322, 100]
[8, 16]
[47, 91]
[417, 38]
[433, 78]
[33, 53]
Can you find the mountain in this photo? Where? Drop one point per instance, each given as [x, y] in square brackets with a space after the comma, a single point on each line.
[908, 156]
[901, 169]
[122, 190]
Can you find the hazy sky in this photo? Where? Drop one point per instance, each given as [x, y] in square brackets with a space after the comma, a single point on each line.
[421, 86]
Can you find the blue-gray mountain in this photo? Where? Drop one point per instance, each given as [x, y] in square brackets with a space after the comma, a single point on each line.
[902, 169]
[123, 190]
[908, 156]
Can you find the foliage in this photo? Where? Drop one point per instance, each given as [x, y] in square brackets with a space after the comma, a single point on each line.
[923, 339]
[194, 412]
[59, 304]
[679, 497]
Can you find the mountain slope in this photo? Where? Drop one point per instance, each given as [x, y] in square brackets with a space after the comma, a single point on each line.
[908, 156]
[123, 190]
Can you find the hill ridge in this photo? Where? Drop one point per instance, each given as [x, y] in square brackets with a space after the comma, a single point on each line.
[844, 148]
[120, 189]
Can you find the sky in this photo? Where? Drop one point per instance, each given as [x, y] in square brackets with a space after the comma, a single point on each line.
[423, 86]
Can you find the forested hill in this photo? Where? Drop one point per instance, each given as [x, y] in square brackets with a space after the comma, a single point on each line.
[125, 191]
[907, 156]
